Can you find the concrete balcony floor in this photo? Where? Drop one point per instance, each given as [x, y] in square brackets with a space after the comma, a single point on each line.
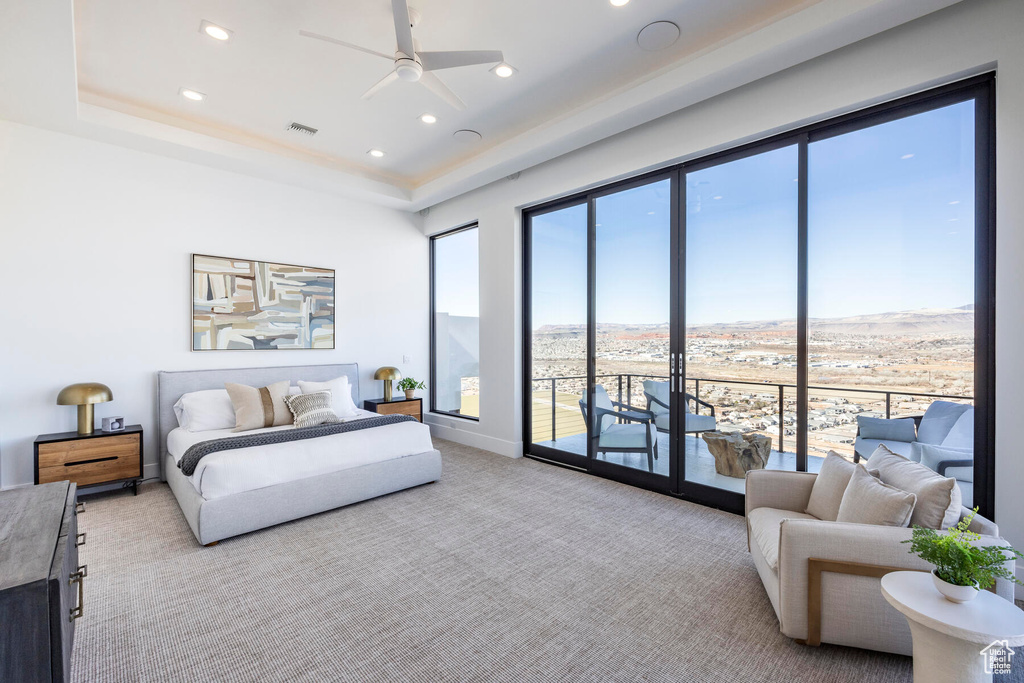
[700, 464]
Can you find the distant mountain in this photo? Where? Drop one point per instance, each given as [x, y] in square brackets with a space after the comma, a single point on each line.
[921, 321]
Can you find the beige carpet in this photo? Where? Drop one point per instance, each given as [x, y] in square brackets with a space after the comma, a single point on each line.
[505, 570]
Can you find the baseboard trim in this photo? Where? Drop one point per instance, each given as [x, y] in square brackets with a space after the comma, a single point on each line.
[16, 486]
[510, 449]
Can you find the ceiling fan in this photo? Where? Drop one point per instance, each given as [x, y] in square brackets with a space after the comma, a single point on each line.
[411, 64]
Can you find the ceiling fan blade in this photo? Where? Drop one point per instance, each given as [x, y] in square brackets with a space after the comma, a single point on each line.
[390, 78]
[437, 86]
[432, 61]
[403, 27]
[328, 39]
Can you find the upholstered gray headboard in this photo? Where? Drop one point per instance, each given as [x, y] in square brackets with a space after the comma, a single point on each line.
[171, 385]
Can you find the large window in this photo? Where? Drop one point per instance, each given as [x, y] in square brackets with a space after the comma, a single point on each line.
[455, 323]
[829, 289]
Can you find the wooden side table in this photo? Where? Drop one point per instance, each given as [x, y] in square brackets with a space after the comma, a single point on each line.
[949, 638]
[90, 459]
[398, 405]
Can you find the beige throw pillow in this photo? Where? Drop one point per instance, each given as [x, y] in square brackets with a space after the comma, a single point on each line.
[938, 497]
[869, 501]
[311, 409]
[829, 486]
[259, 407]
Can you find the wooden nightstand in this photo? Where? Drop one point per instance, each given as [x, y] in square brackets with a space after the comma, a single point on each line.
[90, 459]
[399, 405]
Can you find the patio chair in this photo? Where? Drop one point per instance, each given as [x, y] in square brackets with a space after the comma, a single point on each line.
[636, 435]
[941, 439]
[657, 395]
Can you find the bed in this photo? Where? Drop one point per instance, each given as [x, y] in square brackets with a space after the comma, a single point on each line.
[246, 489]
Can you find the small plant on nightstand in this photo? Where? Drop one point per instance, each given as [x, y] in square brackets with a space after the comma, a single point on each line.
[409, 385]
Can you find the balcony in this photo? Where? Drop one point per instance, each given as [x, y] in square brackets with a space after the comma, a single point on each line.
[741, 406]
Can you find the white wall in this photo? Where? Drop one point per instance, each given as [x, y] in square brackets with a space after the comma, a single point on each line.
[96, 272]
[970, 37]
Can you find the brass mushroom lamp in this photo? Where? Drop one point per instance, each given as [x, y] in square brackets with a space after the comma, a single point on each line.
[84, 396]
[388, 374]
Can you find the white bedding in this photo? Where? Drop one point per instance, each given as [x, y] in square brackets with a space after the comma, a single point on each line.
[245, 469]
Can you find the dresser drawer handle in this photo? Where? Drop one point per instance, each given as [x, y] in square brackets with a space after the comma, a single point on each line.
[80, 540]
[79, 507]
[79, 578]
[76, 463]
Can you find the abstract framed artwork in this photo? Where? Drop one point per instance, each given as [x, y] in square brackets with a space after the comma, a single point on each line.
[238, 304]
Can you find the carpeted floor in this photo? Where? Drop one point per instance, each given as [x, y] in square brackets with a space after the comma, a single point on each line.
[505, 570]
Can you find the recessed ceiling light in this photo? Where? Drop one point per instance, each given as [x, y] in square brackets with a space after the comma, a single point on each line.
[907, 156]
[193, 95]
[618, 3]
[376, 153]
[214, 31]
[428, 118]
[504, 70]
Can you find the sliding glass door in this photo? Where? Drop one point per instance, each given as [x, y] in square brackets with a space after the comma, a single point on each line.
[740, 345]
[826, 290]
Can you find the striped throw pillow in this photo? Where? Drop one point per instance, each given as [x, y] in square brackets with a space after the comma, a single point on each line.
[311, 409]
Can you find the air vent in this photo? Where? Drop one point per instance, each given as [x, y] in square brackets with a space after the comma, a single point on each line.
[299, 128]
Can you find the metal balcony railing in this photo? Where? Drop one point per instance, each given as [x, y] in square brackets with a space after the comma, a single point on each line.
[549, 422]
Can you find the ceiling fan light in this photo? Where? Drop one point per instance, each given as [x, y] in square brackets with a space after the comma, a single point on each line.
[214, 31]
[504, 70]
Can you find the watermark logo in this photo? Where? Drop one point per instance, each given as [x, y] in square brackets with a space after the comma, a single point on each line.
[998, 657]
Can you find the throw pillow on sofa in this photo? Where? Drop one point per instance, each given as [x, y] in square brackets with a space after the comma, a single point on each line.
[829, 486]
[938, 498]
[868, 500]
[891, 430]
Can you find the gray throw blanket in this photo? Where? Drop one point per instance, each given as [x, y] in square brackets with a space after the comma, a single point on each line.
[197, 452]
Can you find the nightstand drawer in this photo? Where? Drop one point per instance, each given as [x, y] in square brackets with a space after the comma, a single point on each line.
[403, 408]
[90, 461]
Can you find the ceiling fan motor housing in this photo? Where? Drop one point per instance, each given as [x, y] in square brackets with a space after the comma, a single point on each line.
[408, 69]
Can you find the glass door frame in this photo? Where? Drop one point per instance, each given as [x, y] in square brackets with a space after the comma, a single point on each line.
[980, 89]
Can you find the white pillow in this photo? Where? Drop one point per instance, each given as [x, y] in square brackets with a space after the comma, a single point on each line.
[341, 394]
[201, 411]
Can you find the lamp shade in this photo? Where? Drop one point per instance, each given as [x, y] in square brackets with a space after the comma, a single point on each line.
[387, 372]
[84, 394]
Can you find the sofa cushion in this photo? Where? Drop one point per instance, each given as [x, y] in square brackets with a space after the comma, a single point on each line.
[868, 446]
[868, 500]
[829, 485]
[938, 498]
[766, 529]
[886, 430]
[961, 435]
[630, 435]
[938, 420]
[932, 456]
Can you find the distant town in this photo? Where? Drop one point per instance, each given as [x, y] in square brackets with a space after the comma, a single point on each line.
[740, 369]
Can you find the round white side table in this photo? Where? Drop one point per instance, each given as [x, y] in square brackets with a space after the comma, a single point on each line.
[949, 637]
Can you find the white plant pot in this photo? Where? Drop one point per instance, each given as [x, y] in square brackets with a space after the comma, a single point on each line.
[953, 592]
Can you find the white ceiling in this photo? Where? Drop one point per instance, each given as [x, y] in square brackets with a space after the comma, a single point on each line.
[581, 77]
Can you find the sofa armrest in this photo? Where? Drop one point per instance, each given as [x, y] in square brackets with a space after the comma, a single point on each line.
[777, 489]
[802, 540]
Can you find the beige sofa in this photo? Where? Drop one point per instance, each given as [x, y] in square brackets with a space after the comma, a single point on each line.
[789, 548]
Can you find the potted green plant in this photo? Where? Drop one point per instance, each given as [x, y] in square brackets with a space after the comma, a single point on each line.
[962, 568]
[409, 386]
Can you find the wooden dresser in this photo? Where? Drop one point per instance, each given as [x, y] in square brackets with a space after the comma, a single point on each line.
[399, 405]
[41, 584]
[90, 459]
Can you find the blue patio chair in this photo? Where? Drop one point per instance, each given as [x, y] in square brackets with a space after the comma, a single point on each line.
[636, 435]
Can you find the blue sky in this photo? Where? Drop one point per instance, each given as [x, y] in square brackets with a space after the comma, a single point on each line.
[890, 228]
[457, 273]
